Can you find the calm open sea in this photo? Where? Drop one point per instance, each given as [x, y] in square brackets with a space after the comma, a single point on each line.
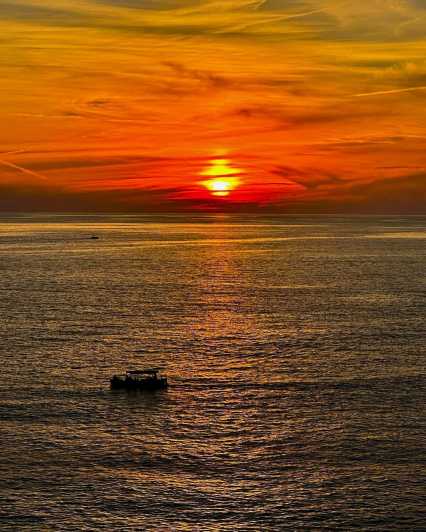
[294, 347]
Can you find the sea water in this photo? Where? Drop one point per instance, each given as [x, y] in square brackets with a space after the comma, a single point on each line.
[294, 348]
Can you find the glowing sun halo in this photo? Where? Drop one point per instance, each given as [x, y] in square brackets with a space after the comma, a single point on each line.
[223, 180]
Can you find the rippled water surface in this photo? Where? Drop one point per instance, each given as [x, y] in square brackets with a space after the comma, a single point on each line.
[294, 348]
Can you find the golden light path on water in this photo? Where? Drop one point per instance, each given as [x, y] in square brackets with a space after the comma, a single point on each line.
[294, 349]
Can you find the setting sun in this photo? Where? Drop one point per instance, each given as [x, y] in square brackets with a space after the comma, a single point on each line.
[221, 187]
[224, 178]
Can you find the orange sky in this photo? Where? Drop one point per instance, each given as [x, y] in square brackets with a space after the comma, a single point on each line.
[134, 105]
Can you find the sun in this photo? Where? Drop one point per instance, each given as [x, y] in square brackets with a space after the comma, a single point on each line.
[223, 177]
[220, 187]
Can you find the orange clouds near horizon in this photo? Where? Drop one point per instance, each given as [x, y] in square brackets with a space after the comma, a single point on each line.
[133, 105]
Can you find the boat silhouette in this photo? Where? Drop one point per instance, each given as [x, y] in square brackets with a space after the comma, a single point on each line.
[140, 379]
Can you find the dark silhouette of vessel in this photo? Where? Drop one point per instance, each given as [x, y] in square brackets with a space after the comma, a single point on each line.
[142, 379]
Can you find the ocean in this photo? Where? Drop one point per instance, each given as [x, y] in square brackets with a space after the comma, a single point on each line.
[294, 348]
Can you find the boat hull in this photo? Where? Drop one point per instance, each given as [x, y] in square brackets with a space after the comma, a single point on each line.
[119, 383]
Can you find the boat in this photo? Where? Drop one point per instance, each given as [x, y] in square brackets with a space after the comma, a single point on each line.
[148, 379]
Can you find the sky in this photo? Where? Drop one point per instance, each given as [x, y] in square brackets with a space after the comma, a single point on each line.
[281, 106]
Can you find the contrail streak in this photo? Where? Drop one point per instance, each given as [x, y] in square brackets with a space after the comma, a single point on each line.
[23, 170]
[392, 91]
[270, 18]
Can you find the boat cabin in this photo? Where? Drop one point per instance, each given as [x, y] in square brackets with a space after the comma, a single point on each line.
[143, 373]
